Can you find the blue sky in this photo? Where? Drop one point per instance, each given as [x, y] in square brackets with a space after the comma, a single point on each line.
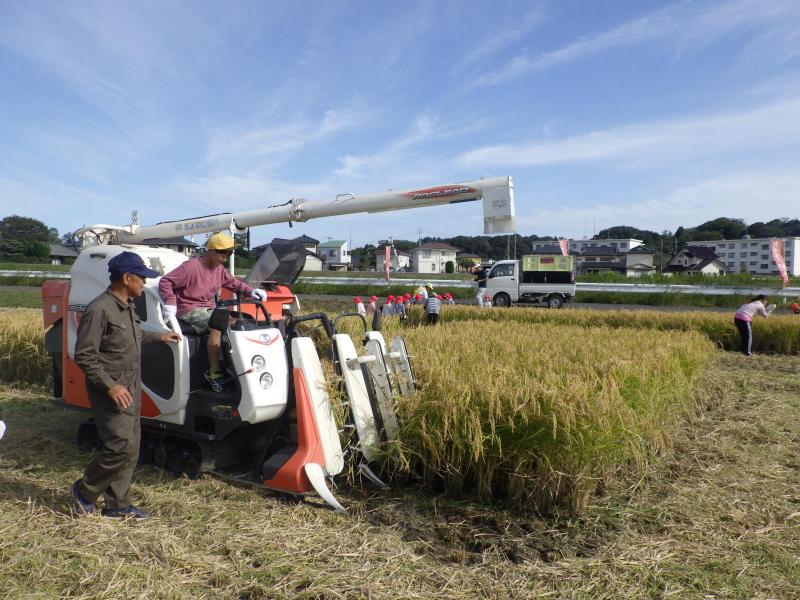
[606, 112]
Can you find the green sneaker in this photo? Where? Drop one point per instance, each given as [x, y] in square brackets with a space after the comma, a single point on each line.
[215, 379]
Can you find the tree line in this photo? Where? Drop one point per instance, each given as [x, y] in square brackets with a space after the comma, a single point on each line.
[23, 239]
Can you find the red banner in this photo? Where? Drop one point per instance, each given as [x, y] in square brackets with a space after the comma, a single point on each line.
[776, 248]
[387, 260]
[564, 247]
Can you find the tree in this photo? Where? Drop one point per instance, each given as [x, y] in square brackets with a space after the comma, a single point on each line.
[23, 228]
[449, 267]
[23, 238]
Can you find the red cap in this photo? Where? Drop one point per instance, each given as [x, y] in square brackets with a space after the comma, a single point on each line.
[357, 299]
[448, 295]
[390, 298]
[408, 296]
[373, 298]
[438, 296]
[417, 297]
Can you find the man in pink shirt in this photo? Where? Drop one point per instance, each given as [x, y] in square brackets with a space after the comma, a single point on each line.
[188, 292]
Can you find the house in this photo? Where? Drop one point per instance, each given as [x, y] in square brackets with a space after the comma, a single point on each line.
[313, 259]
[601, 259]
[62, 255]
[432, 257]
[400, 259]
[335, 255]
[179, 244]
[467, 260]
[749, 255]
[639, 261]
[693, 260]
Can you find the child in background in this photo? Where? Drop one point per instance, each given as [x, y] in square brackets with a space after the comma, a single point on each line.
[417, 298]
[388, 308]
[399, 306]
[448, 298]
[372, 306]
[407, 300]
[360, 306]
[432, 307]
[795, 308]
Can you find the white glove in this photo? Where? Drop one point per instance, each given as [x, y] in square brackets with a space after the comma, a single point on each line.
[2, 428]
[770, 308]
[259, 295]
[169, 310]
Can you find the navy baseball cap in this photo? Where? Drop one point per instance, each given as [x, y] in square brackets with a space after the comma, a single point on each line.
[130, 262]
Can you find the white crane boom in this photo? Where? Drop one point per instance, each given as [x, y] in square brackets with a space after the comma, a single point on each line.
[497, 194]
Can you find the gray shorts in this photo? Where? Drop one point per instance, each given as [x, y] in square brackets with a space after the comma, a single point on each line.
[198, 319]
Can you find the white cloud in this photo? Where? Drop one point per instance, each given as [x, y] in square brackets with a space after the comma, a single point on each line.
[754, 196]
[280, 141]
[683, 23]
[772, 126]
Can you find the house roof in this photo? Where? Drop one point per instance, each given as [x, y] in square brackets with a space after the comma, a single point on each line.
[698, 267]
[546, 250]
[640, 250]
[333, 244]
[314, 254]
[436, 246]
[640, 267]
[175, 241]
[700, 252]
[601, 251]
[304, 239]
[59, 250]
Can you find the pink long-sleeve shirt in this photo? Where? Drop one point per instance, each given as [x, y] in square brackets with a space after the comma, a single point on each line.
[747, 311]
[193, 285]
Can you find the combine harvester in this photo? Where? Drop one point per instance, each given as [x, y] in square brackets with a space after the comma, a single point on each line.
[274, 422]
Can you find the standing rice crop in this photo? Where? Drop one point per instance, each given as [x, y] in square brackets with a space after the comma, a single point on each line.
[22, 355]
[777, 334]
[539, 414]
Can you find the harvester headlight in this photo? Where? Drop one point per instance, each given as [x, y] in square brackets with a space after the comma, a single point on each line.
[258, 362]
[265, 380]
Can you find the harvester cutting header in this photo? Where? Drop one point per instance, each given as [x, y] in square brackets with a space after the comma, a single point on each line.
[272, 422]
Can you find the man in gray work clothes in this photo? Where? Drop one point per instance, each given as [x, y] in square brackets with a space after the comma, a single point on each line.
[108, 350]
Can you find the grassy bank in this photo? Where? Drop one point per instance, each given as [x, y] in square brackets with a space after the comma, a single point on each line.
[377, 290]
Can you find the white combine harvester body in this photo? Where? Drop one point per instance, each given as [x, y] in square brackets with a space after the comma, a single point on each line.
[276, 410]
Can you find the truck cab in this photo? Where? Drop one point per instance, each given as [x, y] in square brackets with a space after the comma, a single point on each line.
[543, 280]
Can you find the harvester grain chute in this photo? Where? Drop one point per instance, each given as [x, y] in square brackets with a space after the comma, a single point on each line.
[274, 422]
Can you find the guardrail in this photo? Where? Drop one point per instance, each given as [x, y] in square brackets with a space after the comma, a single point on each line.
[635, 288]
[35, 274]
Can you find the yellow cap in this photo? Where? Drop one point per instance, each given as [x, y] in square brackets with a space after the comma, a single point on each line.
[220, 241]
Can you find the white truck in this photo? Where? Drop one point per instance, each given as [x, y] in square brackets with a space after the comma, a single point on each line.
[547, 279]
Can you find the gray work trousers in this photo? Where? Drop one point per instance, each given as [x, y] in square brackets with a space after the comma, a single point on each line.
[111, 469]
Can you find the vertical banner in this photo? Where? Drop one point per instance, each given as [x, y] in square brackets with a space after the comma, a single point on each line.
[387, 260]
[564, 247]
[776, 249]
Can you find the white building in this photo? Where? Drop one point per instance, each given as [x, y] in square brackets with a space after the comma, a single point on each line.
[580, 246]
[753, 255]
[432, 257]
[335, 254]
[693, 260]
[399, 259]
[313, 260]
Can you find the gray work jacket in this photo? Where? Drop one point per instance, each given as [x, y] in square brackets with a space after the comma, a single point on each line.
[109, 349]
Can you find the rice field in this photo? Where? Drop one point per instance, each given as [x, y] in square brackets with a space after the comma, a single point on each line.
[584, 458]
[527, 407]
[778, 334]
